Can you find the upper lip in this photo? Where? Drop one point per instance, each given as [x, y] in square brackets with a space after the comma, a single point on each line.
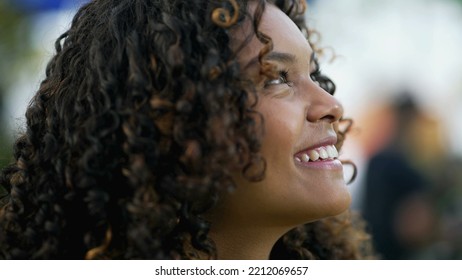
[330, 140]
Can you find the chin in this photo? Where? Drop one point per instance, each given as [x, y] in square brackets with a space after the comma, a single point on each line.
[335, 202]
[330, 208]
[340, 205]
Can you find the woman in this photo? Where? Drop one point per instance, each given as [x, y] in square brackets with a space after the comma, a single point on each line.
[181, 130]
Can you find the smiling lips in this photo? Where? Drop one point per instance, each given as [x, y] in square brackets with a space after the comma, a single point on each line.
[323, 153]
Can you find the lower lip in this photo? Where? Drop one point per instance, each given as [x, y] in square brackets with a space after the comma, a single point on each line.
[332, 164]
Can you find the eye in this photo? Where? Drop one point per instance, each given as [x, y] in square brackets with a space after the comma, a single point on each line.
[281, 79]
[315, 76]
[323, 81]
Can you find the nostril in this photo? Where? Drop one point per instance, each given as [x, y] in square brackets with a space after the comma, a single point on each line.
[328, 112]
[329, 118]
[335, 113]
[322, 106]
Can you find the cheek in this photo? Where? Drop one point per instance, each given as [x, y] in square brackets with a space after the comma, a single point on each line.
[283, 126]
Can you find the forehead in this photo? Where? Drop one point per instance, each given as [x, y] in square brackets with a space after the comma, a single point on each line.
[281, 29]
[285, 35]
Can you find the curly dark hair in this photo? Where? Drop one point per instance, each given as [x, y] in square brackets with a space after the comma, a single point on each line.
[134, 132]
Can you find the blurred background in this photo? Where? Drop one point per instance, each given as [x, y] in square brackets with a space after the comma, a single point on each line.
[28, 29]
[398, 73]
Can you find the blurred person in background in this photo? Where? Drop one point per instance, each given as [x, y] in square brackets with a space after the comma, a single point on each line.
[396, 204]
[447, 200]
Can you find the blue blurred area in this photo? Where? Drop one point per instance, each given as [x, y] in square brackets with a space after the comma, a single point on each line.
[37, 5]
[33, 6]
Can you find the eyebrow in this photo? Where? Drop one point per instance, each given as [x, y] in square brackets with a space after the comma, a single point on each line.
[313, 58]
[287, 58]
[281, 57]
[274, 56]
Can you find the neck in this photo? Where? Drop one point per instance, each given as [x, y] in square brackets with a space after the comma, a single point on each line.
[244, 242]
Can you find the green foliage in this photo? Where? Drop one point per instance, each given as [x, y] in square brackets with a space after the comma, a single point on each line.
[15, 44]
[15, 50]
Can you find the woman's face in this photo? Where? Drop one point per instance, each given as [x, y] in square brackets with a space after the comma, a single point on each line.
[304, 179]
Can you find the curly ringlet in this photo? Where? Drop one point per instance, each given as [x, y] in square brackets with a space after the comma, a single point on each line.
[134, 133]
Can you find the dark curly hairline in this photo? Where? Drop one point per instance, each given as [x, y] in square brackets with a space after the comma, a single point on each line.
[161, 219]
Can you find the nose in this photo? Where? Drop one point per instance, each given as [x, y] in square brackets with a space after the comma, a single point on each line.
[322, 106]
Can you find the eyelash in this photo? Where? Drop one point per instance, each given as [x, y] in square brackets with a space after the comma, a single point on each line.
[284, 80]
[282, 77]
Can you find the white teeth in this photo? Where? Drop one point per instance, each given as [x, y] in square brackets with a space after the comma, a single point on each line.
[332, 151]
[320, 153]
[323, 153]
[314, 156]
[335, 152]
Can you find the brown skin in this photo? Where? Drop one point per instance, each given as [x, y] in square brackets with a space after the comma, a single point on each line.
[297, 114]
